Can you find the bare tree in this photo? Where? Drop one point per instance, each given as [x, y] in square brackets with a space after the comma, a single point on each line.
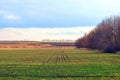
[106, 36]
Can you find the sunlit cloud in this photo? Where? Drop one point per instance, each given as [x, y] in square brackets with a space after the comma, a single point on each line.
[37, 34]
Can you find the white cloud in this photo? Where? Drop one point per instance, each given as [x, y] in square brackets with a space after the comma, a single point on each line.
[11, 17]
[38, 34]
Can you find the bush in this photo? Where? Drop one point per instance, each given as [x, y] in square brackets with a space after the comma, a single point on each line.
[110, 49]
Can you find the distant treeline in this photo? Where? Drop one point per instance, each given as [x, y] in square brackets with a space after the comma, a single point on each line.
[40, 42]
[105, 37]
[60, 43]
[17, 42]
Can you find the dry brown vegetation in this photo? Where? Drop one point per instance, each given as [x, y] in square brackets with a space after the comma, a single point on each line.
[29, 45]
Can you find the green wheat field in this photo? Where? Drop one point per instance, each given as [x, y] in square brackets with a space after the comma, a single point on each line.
[58, 64]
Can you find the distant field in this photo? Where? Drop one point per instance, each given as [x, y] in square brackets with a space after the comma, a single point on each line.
[58, 64]
[31, 45]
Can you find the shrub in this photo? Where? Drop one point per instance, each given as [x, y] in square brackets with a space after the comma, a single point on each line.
[110, 49]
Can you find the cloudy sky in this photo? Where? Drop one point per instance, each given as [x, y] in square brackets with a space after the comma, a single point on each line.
[54, 19]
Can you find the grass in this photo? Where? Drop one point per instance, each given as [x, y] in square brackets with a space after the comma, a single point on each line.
[58, 64]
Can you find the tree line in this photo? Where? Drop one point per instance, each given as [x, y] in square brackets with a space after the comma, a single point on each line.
[105, 37]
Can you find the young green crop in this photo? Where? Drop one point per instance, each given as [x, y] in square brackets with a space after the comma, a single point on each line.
[58, 64]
